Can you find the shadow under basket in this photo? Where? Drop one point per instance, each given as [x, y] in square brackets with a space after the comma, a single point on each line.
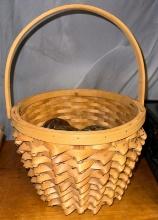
[79, 170]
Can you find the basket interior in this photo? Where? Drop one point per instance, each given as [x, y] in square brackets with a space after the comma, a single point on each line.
[81, 111]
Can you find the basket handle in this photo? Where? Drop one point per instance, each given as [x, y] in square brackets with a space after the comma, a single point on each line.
[73, 7]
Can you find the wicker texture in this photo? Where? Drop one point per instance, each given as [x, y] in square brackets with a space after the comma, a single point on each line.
[80, 111]
[83, 177]
[79, 170]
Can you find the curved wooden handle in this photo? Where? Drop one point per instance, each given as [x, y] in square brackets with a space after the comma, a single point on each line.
[74, 7]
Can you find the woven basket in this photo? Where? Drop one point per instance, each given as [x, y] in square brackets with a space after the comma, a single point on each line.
[79, 170]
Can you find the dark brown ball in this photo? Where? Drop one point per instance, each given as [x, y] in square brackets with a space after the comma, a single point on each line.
[58, 124]
[94, 128]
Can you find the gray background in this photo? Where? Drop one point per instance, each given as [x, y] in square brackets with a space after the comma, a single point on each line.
[78, 50]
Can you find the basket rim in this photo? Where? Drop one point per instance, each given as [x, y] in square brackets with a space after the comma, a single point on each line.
[78, 137]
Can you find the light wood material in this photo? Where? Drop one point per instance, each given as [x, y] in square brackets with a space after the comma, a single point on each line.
[80, 177]
[19, 200]
[79, 170]
[74, 7]
[81, 107]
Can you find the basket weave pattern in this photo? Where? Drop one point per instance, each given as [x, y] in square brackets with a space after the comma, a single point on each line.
[80, 177]
[78, 170]
[80, 111]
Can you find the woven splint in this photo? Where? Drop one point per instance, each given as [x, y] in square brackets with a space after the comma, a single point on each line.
[79, 170]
